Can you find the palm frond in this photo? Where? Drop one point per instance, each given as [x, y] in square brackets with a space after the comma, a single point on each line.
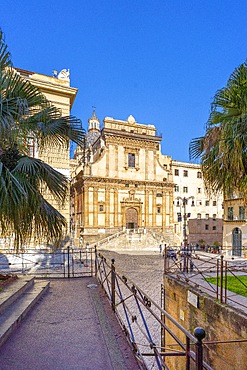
[40, 174]
[223, 149]
[5, 58]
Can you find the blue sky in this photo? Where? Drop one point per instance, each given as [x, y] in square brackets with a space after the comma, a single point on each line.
[160, 60]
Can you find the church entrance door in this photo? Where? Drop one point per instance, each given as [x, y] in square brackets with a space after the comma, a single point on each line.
[131, 218]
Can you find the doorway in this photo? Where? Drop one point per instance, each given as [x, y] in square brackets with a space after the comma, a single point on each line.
[131, 218]
[236, 242]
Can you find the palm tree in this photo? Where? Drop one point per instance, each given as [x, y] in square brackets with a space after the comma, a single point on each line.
[223, 148]
[25, 112]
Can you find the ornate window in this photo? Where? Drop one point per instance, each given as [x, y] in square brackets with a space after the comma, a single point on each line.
[176, 173]
[230, 213]
[241, 212]
[131, 160]
[199, 175]
[185, 173]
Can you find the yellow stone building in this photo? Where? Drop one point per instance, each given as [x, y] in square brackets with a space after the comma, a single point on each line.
[235, 227]
[58, 91]
[122, 181]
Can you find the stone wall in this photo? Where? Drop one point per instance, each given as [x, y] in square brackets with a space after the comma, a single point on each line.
[220, 322]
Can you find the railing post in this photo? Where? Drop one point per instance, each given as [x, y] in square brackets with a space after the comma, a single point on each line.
[199, 333]
[162, 333]
[68, 264]
[64, 267]
[113, 288]
[226, 281]
[187, 353]
[166, 262]
[72, 262]
[217, 279]
[95, 260]
[221, 278]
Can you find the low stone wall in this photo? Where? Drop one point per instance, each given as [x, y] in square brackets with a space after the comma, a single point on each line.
[191, 309]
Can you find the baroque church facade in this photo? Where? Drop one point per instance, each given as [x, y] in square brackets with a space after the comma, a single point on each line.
[121, 182]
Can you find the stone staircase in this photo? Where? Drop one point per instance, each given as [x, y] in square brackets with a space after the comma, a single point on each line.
[16, 300]
[134, 241]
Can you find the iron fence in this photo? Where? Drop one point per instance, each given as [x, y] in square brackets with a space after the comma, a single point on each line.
[146, 324]
[67, 262]
[196, 268]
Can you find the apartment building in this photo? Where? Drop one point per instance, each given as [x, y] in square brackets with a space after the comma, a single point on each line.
[203, 211]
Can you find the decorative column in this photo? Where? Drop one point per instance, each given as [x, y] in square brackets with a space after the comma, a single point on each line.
[146, 164]
[107, 161]
[154, 209]
[154, 164]
[115, 208]
[171, 207]
[95, 207]
[146, 208]
[76, 201]
[85, 206]
[116, 160]
[164, 198]
[107, 206]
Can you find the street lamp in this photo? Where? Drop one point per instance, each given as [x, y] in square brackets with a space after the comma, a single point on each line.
[185, 238]
[185, 217]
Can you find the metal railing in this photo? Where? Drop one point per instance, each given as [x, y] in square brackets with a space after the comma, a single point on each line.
[146, 324]
[67, 262]
[196, 267]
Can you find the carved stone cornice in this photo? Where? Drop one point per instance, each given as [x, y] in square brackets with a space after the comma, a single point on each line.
[91, 181]
[131, 142]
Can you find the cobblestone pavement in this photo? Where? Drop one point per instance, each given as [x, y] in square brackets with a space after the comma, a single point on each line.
[146, 270]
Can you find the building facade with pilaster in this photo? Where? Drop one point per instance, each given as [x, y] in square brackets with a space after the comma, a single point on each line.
[203, 212]
[58, 91]
[121, 181]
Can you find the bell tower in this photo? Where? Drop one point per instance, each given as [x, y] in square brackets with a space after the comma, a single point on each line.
[93, 123]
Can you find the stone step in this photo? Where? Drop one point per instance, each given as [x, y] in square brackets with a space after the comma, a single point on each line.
[13, 313]
[13, 291]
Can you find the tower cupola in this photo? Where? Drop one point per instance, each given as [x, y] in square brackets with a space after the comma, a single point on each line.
[93, 123]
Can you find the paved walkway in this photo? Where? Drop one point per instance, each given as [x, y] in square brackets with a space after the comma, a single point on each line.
[71, 327]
